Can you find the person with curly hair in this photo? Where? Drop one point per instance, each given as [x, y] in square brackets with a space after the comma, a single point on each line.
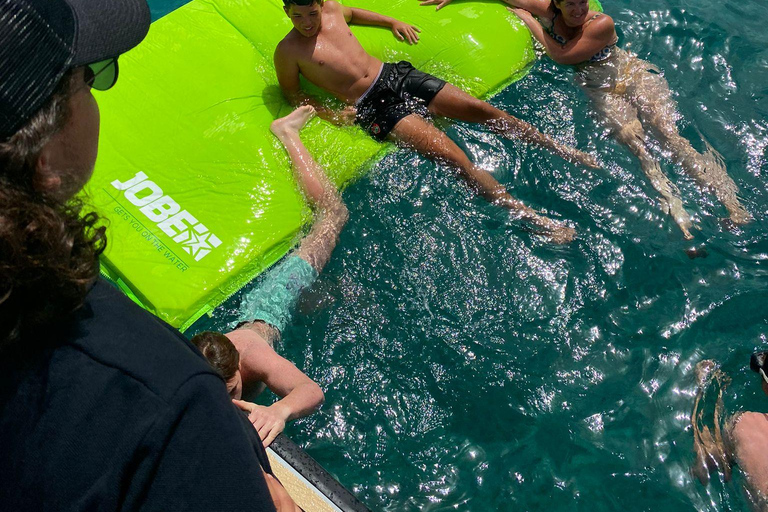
[102, 405]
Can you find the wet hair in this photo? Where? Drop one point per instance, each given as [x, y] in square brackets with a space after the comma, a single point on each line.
[556, 8]
[288, 3]
[48, 250]
[759, 361]
[219, 351]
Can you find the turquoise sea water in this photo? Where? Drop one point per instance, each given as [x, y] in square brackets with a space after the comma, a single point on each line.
[468, 365]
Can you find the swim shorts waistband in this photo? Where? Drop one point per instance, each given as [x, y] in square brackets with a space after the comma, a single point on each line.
[370, 87]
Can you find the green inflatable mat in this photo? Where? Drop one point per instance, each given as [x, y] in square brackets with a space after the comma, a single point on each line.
[199, 195]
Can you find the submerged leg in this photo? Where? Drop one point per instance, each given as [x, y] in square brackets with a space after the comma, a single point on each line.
[621, 118]
[454, 103]
[709, 449]
[268, 308]
[417, 133]
[331, 212]
[651, 94]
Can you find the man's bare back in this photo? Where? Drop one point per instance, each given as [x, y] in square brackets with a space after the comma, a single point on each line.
[332, 59]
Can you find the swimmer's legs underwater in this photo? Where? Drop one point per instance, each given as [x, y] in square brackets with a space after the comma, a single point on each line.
[268, 308]
[330, 211]
[709, 447]
[743, 440]
[417, 133]
[653, 98]
[454, 103]
[621, 118]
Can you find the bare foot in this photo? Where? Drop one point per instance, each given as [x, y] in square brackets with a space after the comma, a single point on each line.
[674, 206]
[555, 232]
[293, 122]
[591, 162]
[740, 216]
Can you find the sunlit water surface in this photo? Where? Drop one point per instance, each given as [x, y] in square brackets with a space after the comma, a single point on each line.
[468, 365]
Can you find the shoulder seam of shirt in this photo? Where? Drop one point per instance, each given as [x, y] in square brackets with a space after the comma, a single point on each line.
[143, 381]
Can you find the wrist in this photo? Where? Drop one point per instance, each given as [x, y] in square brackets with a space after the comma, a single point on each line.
[281, 410]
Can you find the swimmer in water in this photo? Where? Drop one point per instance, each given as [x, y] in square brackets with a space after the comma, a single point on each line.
[245, 357]
[743, 440]
[629, 95]
[394, 101]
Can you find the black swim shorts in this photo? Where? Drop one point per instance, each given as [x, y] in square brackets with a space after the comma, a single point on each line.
[399, 91]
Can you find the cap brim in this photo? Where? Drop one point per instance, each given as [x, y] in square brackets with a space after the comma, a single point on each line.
[107, 28]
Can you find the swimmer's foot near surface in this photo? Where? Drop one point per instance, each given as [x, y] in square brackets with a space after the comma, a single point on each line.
[553, 231]
[577, 156]
[739, 215]
[292, 123]
[674, 206]
[708, 168]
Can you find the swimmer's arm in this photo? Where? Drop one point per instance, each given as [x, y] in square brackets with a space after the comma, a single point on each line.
[535, 7]
[596, 36]
[287, 70]
[401, 30]
[300, 395]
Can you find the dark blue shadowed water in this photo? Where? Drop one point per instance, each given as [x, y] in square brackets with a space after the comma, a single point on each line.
[468, 365]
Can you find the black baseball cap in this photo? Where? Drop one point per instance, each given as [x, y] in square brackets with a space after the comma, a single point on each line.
[40, 40]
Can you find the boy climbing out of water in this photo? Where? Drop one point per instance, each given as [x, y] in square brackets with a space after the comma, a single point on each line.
[393, 101]
[245, 357]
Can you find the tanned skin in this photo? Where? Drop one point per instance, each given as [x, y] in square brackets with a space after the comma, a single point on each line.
[322, 48]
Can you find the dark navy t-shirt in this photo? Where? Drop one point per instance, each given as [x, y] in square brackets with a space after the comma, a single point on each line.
[115, 410]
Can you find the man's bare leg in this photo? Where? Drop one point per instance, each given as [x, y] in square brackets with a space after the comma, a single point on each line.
[658, 111]
[622, 119]
[748, 441]
[417, 133]
[331, 212]
[454, 103]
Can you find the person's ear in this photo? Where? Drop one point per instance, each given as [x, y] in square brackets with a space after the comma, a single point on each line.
[45, 179]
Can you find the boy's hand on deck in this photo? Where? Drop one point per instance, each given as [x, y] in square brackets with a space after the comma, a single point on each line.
[439, 3]
[268, 421]
[405, 32]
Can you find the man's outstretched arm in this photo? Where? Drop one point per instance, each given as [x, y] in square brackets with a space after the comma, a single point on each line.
[299, 395]
[403, 31]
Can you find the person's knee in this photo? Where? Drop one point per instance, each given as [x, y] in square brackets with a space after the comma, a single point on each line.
[339, 212]
[630, 132]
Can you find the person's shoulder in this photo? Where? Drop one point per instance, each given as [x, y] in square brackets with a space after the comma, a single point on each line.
[600, 22]
[115, 332]
[288, 45]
